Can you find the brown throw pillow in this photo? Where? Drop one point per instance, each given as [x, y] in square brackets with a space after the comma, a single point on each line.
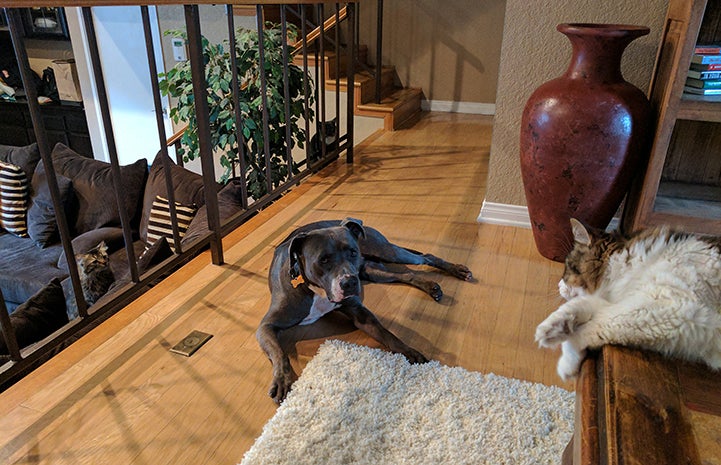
[42, 225]
[93, 188]
[37, 318]
[25, 157]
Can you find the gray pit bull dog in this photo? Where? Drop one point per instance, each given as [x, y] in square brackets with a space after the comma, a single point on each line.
[318, 269]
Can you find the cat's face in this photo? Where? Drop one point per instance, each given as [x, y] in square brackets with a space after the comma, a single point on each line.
[95, 259]
[585, 263]
[330, 130]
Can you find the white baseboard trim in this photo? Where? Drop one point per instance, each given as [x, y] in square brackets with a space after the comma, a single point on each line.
[516, 215]
[448, 106]
[504, 215]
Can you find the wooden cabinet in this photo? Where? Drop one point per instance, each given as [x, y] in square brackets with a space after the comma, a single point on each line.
[682, 181]
[63, 123]
[638, 407]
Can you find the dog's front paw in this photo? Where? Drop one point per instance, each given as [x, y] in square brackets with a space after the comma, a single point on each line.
[414, 356]
[462, 272]
[434, 290]
[280, 387]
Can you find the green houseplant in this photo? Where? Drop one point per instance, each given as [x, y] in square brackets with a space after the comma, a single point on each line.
[177, 83]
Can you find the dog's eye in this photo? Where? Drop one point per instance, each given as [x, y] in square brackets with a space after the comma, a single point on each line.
[353, 253]
[324, 260]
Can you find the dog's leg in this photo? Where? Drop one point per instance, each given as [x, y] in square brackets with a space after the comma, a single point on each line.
[283, 375]
[377, 247]
[364, 320]
[378, 273]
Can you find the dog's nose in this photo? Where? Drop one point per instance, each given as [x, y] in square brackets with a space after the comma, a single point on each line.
[350, 284]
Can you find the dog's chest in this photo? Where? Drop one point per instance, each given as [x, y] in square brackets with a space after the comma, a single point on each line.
[321, 306]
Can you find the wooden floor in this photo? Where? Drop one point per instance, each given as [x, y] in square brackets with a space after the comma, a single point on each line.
[118, 396]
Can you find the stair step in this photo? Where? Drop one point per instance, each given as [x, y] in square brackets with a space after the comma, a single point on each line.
[399, 109]
[365, 84]
[330, 60]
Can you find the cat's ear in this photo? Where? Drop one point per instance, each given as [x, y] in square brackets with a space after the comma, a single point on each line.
[102, 247]
[580, 233]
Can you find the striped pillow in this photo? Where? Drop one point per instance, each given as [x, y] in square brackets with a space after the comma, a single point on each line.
[159, 224]
[13, 199]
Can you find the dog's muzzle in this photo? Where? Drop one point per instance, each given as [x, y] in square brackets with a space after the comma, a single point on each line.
[344, 287]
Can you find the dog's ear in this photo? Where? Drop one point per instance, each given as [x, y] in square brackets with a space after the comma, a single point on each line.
[294, 253]
[355, 226]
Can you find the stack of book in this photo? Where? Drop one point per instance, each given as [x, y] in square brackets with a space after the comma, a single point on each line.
[704, 76]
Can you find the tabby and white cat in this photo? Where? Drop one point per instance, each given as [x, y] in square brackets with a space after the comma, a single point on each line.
[96, 277]
[659, 289]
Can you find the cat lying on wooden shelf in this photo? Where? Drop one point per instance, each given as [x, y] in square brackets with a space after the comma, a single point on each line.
[658, 289]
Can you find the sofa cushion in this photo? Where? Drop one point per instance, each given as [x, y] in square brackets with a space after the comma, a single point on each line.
[39, 316]
[25, 157]
[14, 189]
[25, 268]
[42, 226]
[187, 186]
[93, 188]
[229, 203]
[160, 222]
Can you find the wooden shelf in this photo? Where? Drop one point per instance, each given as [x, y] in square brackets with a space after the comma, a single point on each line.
[681, 184]
[700, 108]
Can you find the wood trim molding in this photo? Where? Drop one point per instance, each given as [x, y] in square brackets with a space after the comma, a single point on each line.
[448, 106]
[504, 215]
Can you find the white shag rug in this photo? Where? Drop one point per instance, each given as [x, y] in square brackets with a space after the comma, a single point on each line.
[357, 405]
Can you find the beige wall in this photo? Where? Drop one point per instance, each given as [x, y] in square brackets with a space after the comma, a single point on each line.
[450, 49]
[534, 52]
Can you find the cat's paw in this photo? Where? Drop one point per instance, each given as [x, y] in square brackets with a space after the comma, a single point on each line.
[555, 329]
[569, 364]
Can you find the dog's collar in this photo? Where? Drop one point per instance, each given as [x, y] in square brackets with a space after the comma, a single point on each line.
[297, 281]
[300, 280]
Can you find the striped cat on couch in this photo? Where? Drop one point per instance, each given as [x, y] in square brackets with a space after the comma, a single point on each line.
[658, 289]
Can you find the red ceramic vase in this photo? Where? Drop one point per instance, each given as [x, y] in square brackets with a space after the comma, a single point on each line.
[583, 137]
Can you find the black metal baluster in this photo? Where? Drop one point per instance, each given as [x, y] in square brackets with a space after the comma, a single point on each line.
[337, 77]
[8, 332]
[379, 50]
[235, 88]
[286, 90]
[202, 115]
[321, 83]
[161, 126]
[264, 96]
[306, 91]
[350, 94]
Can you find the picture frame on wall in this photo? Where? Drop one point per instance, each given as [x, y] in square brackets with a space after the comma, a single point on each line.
[45, 23]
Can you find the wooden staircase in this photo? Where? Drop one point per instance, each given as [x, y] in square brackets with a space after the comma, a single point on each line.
[399, 107]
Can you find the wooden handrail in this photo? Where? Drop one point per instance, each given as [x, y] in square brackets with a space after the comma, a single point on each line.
[315, 33]
[172, 140]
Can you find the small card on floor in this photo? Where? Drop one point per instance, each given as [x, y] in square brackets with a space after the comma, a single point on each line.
[191, 343]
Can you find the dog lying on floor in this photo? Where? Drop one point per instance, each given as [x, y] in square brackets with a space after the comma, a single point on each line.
[318, 269]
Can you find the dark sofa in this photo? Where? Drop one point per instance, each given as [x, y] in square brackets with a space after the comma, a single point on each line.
[32, 266]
